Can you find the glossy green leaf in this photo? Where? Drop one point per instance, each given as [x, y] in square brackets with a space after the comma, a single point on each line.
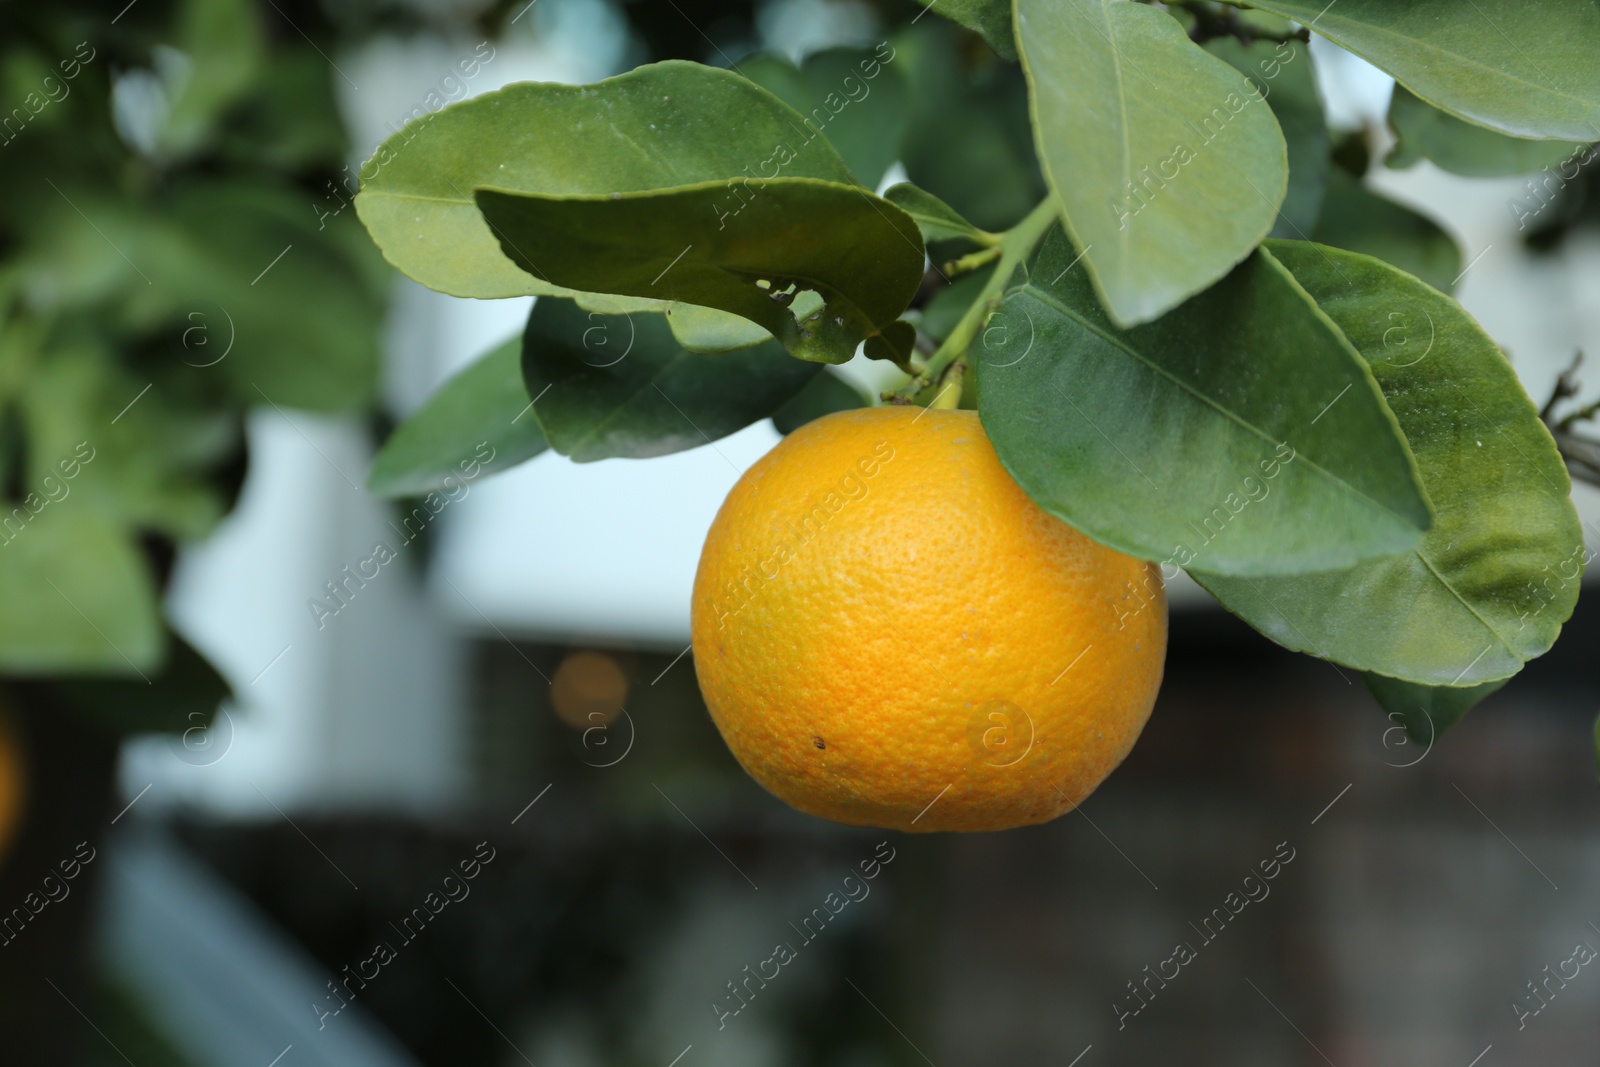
[1490, 585]
[702, 329]
[993, 179]
[659, 126]
[989, 19]
[850, 96]
[75, 596]
[823, 395]
[1239, 432]
[1459, 147]
[709, 331]
[1168, 166]
[1523, 67]
[1208, 21]
[937, 220]
[478, 422]
[1358, 220]
[862, 254]
[1425, 711]
[619, 385]
[896, 344]
[1282, 72]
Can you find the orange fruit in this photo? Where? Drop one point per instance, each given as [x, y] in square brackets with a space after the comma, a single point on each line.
[889, 632]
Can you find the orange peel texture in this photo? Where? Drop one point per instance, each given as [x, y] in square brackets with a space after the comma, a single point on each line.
[888, 632]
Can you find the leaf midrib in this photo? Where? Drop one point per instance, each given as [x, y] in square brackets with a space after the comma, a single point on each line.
[831, 294]
[1487, 625]
[1124, 233]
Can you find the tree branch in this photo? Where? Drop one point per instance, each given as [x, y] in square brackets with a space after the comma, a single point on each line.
[1210, 22]
[1581, 454]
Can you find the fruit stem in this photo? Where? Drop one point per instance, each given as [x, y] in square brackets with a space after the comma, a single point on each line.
[973, 260]
[948, 398]
[1016, 245]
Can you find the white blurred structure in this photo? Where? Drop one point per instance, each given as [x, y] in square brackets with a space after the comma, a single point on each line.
[214, 973]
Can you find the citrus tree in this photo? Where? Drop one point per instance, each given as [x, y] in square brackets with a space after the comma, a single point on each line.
[1128, 240]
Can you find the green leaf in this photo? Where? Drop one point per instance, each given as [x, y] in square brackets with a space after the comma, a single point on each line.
[993, 178]
[182, 698]
[620, 385]
[861, 253]
[1167, 165]
[1239, 432]
[989, 19]
[895, 344]
[483, 407]
[937, 220]
[1523, 67]
[221, 42]
[1490, 585]
[291, 123]
[304, 327]
[1358, 220]
[823, 395]
[707, 330]
[75, 596]
[286, 315]
[850, 96]
[1425, 711]
[1283, 74]
[659, 126]
[125, 448]
[1460, 147]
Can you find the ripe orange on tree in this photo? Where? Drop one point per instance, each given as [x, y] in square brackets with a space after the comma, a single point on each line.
[889, 632]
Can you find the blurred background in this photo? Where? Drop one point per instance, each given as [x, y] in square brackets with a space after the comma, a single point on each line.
[472, 811]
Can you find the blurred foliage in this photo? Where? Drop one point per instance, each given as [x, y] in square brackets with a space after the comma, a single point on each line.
[131, 1034]
[173, 253]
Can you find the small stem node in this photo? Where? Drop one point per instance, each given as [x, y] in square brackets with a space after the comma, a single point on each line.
[972, 260]
[1016, 245]
[948, 398]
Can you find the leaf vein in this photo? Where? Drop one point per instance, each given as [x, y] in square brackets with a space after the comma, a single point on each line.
[1188, 388]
